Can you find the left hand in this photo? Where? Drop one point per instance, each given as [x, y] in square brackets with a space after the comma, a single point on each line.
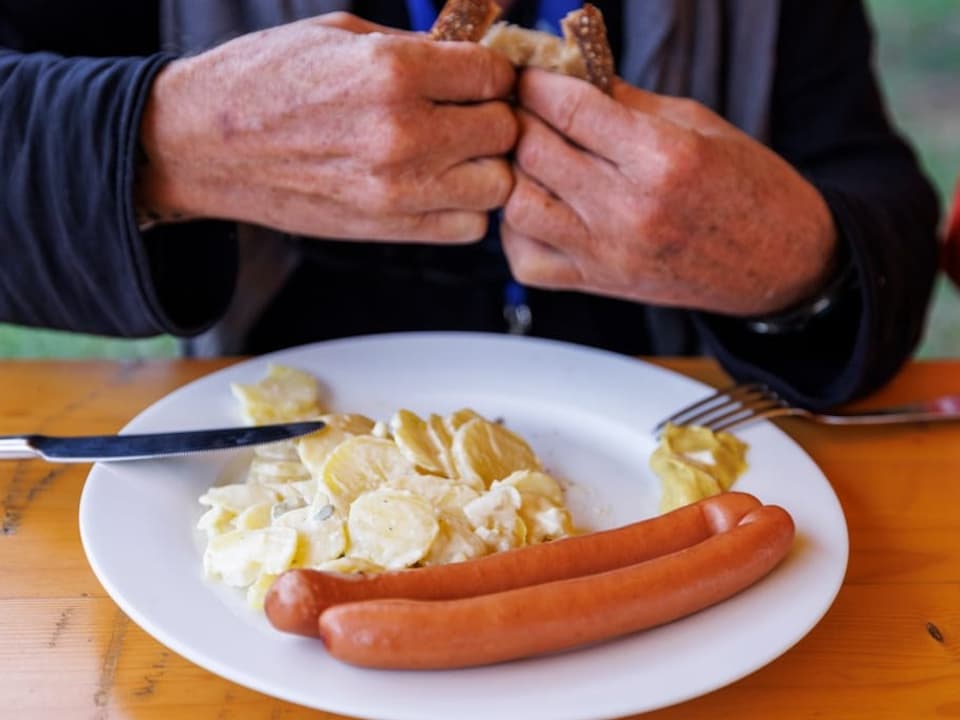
[659, 200]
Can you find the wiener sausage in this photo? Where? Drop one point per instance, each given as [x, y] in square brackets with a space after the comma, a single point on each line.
[296, 599]
[425, 634]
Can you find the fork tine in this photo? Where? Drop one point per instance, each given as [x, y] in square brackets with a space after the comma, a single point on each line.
[754, 410]
[743, 397]
[709, 405]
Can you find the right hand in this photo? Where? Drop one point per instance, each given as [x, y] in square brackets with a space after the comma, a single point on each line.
[330, 127]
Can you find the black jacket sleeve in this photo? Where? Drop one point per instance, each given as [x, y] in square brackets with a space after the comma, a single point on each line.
[829, 121]
[72, 255]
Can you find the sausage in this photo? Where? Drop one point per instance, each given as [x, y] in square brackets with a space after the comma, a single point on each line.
[296, 599]
[431, 634]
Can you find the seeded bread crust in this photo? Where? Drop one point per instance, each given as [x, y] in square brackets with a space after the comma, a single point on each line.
[465, 20]
[583, 52]
[587, 28]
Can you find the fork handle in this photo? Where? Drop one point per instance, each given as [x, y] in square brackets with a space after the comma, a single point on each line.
[946, 407]
[16, 447]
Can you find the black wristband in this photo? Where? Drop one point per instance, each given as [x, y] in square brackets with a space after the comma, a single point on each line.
[797, 317]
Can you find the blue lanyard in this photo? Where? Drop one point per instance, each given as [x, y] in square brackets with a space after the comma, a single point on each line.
[423, 13]
[549, 13]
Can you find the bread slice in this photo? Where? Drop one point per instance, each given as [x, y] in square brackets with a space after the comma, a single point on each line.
[583, 52]
[465, 20]
[586, 28]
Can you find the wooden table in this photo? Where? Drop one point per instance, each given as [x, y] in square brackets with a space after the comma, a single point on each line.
[888, 648]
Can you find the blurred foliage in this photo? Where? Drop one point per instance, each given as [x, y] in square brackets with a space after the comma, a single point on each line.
[918, 58]
[18, 342]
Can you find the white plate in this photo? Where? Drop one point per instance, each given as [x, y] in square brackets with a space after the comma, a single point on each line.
[588, 415]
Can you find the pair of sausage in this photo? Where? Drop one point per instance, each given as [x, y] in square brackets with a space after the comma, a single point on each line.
[542, 598]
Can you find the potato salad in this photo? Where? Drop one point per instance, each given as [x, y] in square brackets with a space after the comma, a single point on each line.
[365, 496]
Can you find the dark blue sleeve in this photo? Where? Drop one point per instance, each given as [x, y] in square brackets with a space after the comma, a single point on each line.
[72, 255]
[829, 121]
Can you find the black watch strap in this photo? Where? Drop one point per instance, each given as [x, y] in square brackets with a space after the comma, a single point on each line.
[798, 317]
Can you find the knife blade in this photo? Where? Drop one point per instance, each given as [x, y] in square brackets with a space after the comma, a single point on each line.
[107, 448]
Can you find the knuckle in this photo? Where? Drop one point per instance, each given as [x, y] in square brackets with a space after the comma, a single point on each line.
[502, 183]
[506, 126]
[688, 108]
[337, 19]
[395, 139]
[498, 74]
[682, 159]
[530, 154]
[468, 228]
[384, 194]
[392, 71]
[568, 112]
[517, 211]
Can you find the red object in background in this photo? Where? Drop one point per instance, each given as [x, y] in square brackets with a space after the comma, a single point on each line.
[950, 257]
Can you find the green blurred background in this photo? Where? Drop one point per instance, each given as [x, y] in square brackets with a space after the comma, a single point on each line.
[918, 56]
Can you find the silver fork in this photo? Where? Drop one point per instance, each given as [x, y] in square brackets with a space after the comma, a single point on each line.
[738, 405]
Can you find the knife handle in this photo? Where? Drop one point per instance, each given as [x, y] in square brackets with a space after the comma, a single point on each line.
[16, 448]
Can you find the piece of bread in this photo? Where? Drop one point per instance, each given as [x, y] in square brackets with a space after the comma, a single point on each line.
[465, 20]
[583, 52]
[531, 48]
[586, 28]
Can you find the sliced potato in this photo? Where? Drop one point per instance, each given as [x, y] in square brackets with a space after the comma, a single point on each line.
[264, 470]
[350, 566]
[495, 517]
[239, 557]
[455, 542]
[360, 464]
[460, 417]
[257, 593]
[484, 452]
[391, 528]
[284, 395]
[314, 449]
[445, 495]
[537, 482]
[321, 536]
[442, 439]
[254, 517]
[412, 437]
[216, 520]
[237, 497]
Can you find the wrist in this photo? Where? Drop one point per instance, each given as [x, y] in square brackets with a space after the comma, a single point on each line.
[841, 277]
[163, 189]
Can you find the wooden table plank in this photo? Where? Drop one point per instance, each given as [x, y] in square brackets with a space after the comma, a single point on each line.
[887, 648]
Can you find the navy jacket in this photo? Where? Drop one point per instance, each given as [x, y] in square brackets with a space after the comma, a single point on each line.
[71, 94]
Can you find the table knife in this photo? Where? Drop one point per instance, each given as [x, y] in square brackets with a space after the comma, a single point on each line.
[108, 448]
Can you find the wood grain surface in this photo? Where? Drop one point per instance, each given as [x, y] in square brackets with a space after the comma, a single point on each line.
[888, 648]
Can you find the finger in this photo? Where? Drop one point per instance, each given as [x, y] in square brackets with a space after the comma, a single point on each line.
[440, 227]
[534, 212]
[305, 214]
[580, 112]
[568, 172]
[470, 131]
[352, 23]
[462, 72]
[448, 227]
[536, 264]
[483, 184]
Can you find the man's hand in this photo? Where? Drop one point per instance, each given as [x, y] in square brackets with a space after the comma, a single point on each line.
[658, 200]
[332, 127]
